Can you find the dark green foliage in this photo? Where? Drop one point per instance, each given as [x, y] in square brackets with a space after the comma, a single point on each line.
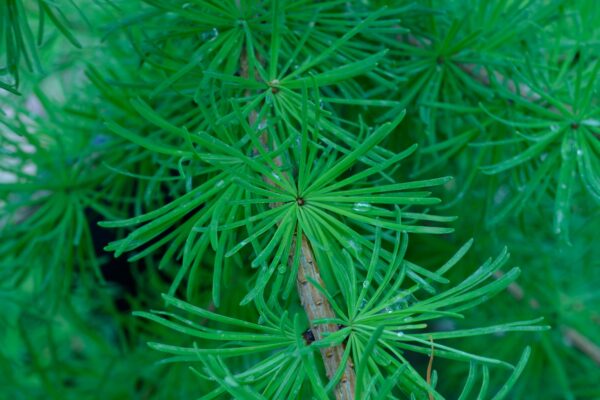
[160, 161]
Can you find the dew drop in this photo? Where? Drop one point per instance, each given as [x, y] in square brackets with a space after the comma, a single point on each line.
[559, 217]
[501, 194]
[231, 382]
[591, 122]
[499, 332]
[354, 246]
[366, 284]
[361, 207]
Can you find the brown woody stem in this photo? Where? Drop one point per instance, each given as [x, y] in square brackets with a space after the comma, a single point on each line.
[317, 306]
[314, 302]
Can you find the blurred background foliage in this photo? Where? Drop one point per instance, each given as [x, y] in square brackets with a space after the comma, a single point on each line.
[502, 95]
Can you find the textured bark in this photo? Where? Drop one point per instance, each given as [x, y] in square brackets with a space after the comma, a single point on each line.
[317, 306]
[314, 302]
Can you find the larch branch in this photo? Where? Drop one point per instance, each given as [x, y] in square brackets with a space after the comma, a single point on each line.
[315, 304]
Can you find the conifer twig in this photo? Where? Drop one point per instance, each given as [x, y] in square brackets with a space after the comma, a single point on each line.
[582, 343]
[315, 304]
[483, 76]
[571, 335]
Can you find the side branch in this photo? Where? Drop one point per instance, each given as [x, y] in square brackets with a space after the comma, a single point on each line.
[571, 335]
[483, 76]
